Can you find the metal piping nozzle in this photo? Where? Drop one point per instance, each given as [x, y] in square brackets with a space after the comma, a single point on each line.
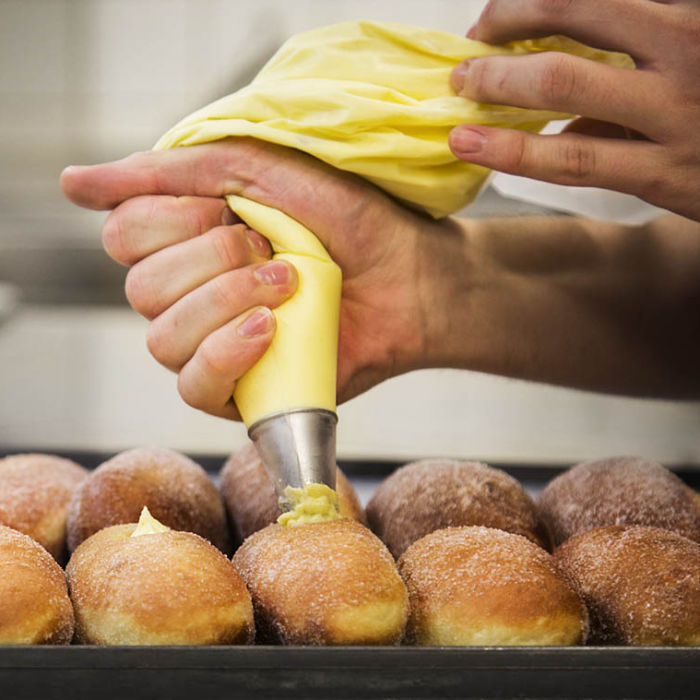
[297, 447]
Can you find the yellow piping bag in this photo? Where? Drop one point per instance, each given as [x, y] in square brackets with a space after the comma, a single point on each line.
[373, 99]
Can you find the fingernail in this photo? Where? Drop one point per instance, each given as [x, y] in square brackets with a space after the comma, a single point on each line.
[273, 273]
[258, 323]
[228, 218]
[258, 243]
[458, 76]
[471, 34]
[466, 141]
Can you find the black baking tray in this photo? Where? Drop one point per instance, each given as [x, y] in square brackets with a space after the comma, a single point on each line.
[349, 672]
[116, 673]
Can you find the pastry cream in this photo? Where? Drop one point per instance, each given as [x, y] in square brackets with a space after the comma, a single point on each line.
[313, 503]
[369, 98]
[148, 525]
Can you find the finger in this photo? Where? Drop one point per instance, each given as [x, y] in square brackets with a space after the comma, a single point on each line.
[206, 382]
[618, 25]
[247, 167]
[564, 83]
[158, 281]
[142, 225]
[174, 336]
[565, 159]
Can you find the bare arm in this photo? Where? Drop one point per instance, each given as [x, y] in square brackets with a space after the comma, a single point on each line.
[583, 303]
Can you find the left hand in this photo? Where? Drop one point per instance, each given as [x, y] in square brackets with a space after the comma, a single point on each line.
[640, 130]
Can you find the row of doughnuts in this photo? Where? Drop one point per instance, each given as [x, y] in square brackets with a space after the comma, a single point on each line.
[470, 543]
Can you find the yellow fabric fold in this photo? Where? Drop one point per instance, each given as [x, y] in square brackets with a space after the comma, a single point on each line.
[373, 99]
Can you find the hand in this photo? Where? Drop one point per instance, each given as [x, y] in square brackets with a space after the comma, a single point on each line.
[203, 280]
[640, 134]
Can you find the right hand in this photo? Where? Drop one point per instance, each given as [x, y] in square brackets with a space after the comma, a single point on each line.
[193, 267]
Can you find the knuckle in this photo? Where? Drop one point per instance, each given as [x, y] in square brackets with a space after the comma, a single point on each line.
[577, 159]
[139, 292]
[226, 243]
[517, 154]
[215, 357]
[226, 291]
[480, 78]
[116, 240]
[558, 81]
[189, 392]
[158, 344]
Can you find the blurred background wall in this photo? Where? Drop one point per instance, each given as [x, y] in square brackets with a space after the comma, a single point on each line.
[83, 81]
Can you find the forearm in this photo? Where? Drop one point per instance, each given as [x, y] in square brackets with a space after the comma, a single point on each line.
[577, 302]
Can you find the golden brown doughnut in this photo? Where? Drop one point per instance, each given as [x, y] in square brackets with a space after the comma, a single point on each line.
[326, 583]
[478, 586]
[34, 603]
[176, 490]
[251, 500]
[166, 588]
[641, 584]
[428, 495]
[34, 493]
[618, 491]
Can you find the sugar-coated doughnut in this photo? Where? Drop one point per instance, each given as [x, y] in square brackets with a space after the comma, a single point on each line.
[34, 493]
[618, 491]
[34, 603]
[431, 494]
[176, 490]
[169, 587]
[328, 583]
[251, 500]
[641, 584]
[478, 586]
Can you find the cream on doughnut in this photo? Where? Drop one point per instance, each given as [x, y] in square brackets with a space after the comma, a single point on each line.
[34, 493]
[176, 490]
[424, 496]
[153, 585]
[250, 496]
[478, 586]
[641, 584]
[326, 583]
[618, 491]
[34, 603]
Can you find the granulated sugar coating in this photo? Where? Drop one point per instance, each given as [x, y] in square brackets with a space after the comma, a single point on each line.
[474, 586]
[432, 494]
[34, 493]
[164, 588]
[251, 500]
[618, 491]
[325, 583]
[176, 490]
[34, 603]
[641, 584]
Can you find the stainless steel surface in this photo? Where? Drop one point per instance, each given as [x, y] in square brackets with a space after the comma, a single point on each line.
[297, 448]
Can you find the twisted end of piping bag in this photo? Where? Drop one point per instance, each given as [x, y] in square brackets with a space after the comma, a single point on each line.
[287, 399]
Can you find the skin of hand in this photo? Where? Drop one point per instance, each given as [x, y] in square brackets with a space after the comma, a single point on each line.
[201, 279]
[639, 128]
[559, 300]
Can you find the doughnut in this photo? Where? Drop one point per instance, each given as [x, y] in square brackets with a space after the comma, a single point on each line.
[34, 603]
[251, 500]
[327, 583]
[176, 490]
[34, 493]
[151, 585]
[618, 491]
[432, 494]
[479, 586]
[641, 584]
